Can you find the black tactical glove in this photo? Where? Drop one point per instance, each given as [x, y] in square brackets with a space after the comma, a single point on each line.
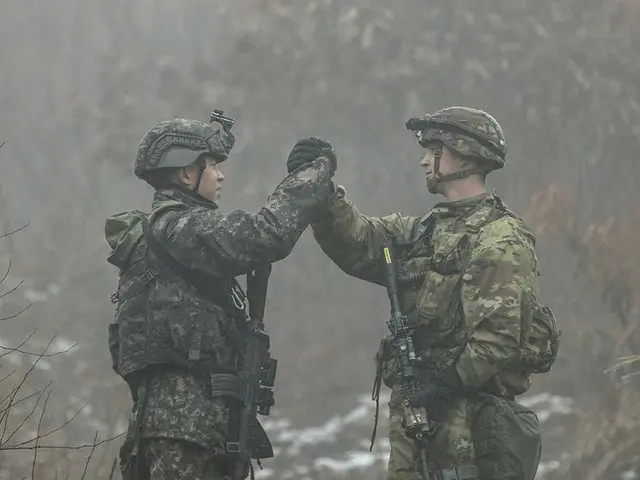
[307, 150]
[437, 396]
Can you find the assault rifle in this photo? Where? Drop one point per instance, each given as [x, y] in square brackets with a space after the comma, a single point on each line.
[257, 379]
[417, 425]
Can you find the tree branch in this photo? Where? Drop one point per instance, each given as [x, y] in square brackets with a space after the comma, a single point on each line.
[4, 417]
[50, 432]
[24, 420]
[10, 317]
[22, 343]
[35, 451]
[6, 274]
[12, 290]
[68, 447]
[4, 235]
[48, 355]
[24, 399]
[93, 449]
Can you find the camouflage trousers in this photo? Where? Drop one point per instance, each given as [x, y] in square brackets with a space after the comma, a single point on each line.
[180, 460]
[451, 446]
[482, 437]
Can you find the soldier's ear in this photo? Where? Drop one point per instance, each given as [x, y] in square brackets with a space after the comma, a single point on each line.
[454, 154]
[471, 162]
[184, 176]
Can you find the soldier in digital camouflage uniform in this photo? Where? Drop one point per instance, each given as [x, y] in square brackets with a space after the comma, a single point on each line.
[176, 329]
[467, 268]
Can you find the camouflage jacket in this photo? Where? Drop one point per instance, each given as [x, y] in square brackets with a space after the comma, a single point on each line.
[159, 315]
[161, 318]
[467, 269]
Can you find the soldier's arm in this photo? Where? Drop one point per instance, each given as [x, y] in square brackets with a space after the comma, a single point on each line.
[239, 242]
[354, 240]
[495, 287]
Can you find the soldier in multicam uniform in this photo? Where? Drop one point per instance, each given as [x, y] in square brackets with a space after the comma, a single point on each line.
[468, 279]
[176, 332]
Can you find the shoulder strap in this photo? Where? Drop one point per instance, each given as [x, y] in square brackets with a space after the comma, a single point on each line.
[423, 231]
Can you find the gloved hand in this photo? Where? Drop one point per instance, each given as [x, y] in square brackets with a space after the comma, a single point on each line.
[307, 150]
[437, 396]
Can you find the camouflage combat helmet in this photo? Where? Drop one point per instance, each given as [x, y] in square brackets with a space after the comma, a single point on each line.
[181, 142]
[470, 132]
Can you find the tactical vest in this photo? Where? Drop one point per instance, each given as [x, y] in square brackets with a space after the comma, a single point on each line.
[156, 323]
[430, 278]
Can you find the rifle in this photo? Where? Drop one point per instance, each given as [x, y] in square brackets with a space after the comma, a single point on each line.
[257, 379]
[417, 426]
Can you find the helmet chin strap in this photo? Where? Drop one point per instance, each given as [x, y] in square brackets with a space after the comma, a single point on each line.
[439, 177]
[202, 164]
[436, 177]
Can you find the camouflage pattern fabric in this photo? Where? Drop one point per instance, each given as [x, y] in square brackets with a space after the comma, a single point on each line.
[162, 320]
[471, 132]
[179, 142]
[179, 406]
[476, 269]
[201, 238]
[451, 446]
[177, 460]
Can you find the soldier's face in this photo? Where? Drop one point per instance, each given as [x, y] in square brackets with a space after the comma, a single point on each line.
[211, 181]
[449, 163]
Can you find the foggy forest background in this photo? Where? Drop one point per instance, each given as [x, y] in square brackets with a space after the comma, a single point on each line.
[81, 82]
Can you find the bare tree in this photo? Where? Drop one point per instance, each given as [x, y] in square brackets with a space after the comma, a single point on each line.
[25, 411]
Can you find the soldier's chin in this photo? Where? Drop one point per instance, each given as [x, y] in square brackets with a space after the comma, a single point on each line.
[432, 185]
